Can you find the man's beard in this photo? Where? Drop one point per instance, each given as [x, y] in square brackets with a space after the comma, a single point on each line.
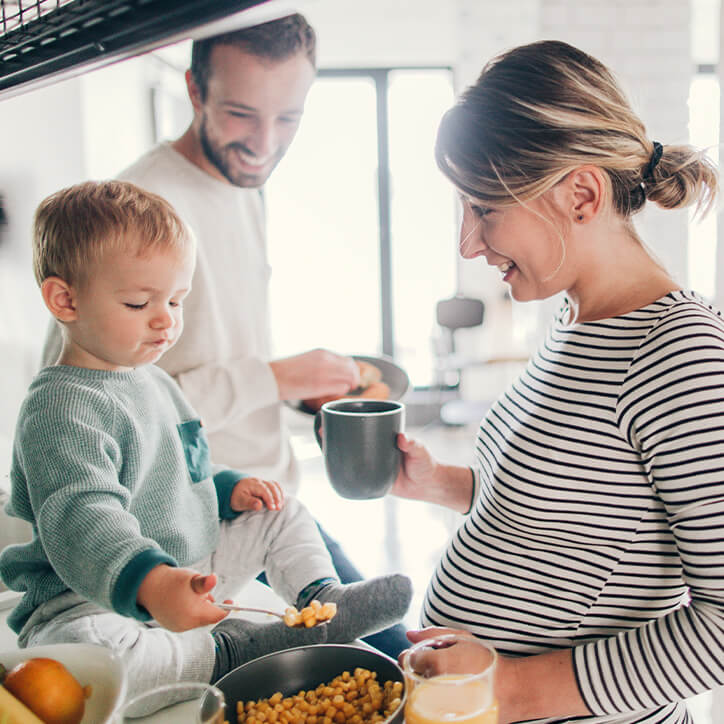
[216, 155]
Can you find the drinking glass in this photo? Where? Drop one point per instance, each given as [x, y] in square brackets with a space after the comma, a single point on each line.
[450, 680]
[181, 703]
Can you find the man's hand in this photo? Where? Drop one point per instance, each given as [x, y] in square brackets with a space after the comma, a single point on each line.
[255, 494]
[315, 374]
[179, 598]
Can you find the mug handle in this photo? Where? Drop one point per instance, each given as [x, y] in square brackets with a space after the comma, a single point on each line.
[317, 429]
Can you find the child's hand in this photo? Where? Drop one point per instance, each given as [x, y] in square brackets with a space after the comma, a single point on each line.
[255, 494]
[418, 471]
[179, 598]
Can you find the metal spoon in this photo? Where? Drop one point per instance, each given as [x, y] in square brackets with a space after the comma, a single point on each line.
[234, 607]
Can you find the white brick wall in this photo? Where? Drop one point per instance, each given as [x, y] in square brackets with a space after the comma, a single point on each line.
[382, 32]
[486, 28]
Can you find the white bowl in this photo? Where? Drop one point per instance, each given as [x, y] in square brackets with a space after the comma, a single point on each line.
[90, 665]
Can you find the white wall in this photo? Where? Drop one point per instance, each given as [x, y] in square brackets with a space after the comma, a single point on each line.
[116, 109]
[383, 33]
[41, 147]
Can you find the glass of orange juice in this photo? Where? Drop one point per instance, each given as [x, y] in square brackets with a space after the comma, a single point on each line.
[450, 681]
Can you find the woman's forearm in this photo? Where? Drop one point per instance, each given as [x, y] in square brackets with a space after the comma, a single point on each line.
[454, 487]
[536, 687]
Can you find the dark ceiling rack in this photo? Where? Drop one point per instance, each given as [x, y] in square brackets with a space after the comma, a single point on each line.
[42, 39]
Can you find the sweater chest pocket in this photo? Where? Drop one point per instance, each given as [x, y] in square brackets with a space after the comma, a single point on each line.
[196, 449]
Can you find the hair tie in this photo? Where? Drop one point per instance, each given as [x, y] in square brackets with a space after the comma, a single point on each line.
[656, 155]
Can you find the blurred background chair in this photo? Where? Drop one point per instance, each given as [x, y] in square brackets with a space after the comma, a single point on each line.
[451, 314]
[457, 312]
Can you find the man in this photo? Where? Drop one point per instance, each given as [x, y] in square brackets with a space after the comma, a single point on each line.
[247, 89]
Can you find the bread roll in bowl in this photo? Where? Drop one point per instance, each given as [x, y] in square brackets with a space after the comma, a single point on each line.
[371, 387]
[368, 374]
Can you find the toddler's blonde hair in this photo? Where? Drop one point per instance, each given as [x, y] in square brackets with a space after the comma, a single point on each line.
[74, 227]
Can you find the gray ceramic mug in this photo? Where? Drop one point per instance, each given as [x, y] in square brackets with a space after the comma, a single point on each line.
[359, 444]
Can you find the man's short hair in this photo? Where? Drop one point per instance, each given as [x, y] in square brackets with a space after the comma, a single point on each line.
[74, 227]
[276, 40]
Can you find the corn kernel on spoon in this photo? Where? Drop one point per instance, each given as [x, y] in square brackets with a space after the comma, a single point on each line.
[317, 614]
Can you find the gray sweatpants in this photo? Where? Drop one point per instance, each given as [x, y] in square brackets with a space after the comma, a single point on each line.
[286, 544]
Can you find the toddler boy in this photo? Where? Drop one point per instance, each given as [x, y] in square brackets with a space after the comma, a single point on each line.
[133, 526]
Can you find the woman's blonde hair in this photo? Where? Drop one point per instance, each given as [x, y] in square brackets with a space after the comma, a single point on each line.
[540, 110]
[76, 226]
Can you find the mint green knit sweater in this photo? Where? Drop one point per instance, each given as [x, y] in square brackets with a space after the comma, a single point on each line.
[112, 469]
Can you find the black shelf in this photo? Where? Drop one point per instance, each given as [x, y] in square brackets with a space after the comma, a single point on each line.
[63, 36]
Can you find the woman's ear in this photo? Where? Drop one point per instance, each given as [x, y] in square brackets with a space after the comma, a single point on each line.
[59, 298]
[587, 185]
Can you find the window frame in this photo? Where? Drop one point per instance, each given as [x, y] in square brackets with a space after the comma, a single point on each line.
[380, 77]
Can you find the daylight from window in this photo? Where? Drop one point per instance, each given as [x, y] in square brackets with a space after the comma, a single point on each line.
[323, 225]
[704, 133]
[424, 234]
[324, 241]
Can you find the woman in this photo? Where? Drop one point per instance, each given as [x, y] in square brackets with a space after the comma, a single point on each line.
[592, 555]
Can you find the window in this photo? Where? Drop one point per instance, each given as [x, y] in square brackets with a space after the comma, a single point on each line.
[362, 226]
[323, 225]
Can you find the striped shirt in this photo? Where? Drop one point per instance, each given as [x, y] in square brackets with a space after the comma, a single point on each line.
[599, 522]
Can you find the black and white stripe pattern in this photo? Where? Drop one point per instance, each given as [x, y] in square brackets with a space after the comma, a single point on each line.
[600, 519]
